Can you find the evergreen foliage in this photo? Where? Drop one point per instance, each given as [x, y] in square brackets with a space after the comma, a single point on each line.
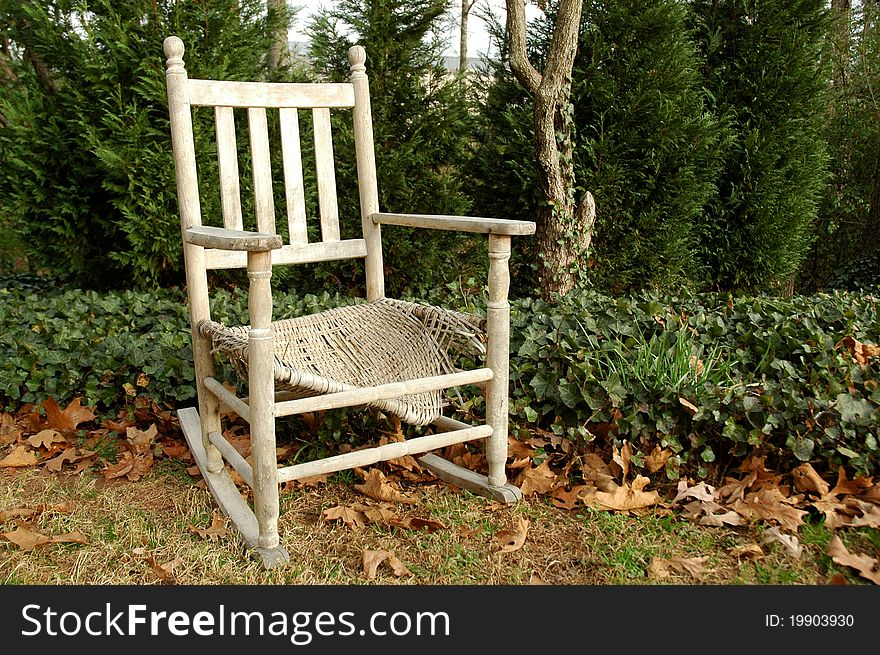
[849, 214]
[421, 125]
[766, 77]
[86, 173]
[644, 145]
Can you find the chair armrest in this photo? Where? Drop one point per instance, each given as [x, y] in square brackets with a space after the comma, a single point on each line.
[224, 239]
[458, 223]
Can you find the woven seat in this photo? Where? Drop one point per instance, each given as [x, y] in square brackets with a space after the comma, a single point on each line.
[398, 356]
[363, 345]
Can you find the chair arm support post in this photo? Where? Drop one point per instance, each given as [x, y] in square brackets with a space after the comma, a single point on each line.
[261, 390]
[498, 357]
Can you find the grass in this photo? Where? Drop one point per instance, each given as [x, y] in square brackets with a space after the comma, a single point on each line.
[133, 527]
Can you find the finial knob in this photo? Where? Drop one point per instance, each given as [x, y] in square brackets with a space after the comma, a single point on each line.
[173, 47]
[357, 57]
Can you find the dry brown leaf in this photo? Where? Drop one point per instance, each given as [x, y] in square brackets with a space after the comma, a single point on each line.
[568, 499]
[689, 406]
[535, 579]
[9, 431]
[347, 515]
[45, 438]
[122, 466]
[657, 458]
[702, 492]
[20, 457]
[509, 541]
[418, 523]
[857, 486]
[807, 479]
[383, 513]
[70, 455]
[867, 566]
[214, 531]
[860, 352]
[622, 458]
[141, 441]
[661, 568]
[378, 487]
[789, 541]
[870, 515]
[24, 513]
[718, 520]
[536, 480]
[770, 504]
[747, 551]
[624, 498]
[69, 419]
[371, 559]
[27, 539]
[598, 472]
[165, 572]
[519, 449]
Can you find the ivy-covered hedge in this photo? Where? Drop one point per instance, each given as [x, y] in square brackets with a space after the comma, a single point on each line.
[708, 376]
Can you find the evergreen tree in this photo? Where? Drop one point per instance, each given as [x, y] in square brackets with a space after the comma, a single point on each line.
[849, 216]
[86, 172]
[421, 128]
[643, 143]
[766, 77]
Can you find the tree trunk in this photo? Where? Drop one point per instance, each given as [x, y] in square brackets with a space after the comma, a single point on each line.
[565, 226]
[278, 49]
[466, 6]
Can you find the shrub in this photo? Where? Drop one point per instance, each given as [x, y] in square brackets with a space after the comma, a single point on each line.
[712, 377]
[86, 173]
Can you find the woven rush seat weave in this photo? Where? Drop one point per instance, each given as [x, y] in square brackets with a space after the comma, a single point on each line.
[363, 345]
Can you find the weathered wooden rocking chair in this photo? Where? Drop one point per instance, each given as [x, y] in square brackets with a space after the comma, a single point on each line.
[385, 353]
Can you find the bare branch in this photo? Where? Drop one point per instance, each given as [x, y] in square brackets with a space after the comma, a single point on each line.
[522, 68]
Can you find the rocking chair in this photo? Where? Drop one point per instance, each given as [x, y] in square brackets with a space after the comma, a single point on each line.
[390, 354]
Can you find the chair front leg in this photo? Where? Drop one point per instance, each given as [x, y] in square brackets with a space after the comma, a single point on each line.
[261, 389]
[498, 357]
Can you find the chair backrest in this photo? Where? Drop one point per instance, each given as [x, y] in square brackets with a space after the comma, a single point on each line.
[288, 99]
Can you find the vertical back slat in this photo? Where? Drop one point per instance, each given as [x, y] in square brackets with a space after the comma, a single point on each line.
[326, 175]
[293, 175]
[264, 205]
[227, 159]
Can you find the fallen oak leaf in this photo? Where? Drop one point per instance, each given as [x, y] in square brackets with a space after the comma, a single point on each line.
[69, 419]
[20, 457]
[747, 551]
[214, 531]
[347, 515]
[45, 438]
[371, 559]
[624, 498]
[660, 567]
[789, 541]
[770, 503]
[657, 458]
[719, 520]
[868, 567]
[25, 513]
[509, 541]
[807, 479]
[9, 431]
[702, 491]
[537, 480]
[27, 539]
[417, 523]
[568, 499]
[377, 487]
